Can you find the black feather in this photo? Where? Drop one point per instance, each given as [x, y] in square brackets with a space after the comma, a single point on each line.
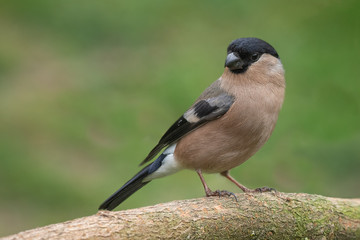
[203, 108]
[131, 186]
[181, 125]
[126, 191]
[180, 128]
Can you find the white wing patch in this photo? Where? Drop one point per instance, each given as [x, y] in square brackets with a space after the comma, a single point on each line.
[190, 116]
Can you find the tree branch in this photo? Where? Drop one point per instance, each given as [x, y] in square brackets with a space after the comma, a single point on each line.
[254, 216]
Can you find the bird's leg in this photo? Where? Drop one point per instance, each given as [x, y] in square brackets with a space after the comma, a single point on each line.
[245, 189]
[210, 193]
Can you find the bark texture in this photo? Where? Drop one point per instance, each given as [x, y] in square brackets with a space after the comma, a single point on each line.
[253, 216]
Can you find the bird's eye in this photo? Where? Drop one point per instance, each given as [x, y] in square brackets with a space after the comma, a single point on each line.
[255, 57]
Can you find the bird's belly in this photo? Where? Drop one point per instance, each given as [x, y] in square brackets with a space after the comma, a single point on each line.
[216, 150]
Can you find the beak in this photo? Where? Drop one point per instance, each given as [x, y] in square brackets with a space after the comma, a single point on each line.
[233, 62]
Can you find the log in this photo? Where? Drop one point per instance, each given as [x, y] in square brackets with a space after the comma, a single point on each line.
[253, 216]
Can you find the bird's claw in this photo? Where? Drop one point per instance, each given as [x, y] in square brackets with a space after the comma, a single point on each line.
[221, 193]
[265, 189]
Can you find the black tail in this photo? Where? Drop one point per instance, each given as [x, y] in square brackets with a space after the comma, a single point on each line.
[127, 190]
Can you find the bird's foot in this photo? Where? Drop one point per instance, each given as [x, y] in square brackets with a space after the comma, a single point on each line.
[220, 193]
[260, 190]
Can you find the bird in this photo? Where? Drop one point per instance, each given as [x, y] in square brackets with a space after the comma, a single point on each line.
[226, 125]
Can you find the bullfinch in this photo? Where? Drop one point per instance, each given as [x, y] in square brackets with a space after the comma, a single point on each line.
[226, 125]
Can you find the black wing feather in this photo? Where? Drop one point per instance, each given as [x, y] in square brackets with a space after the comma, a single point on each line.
[204, 110]
[176, 131]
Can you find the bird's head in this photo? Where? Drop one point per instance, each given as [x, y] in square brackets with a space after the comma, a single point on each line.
[243, 52]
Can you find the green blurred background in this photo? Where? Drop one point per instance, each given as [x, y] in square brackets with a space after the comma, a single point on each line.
[88, 87]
